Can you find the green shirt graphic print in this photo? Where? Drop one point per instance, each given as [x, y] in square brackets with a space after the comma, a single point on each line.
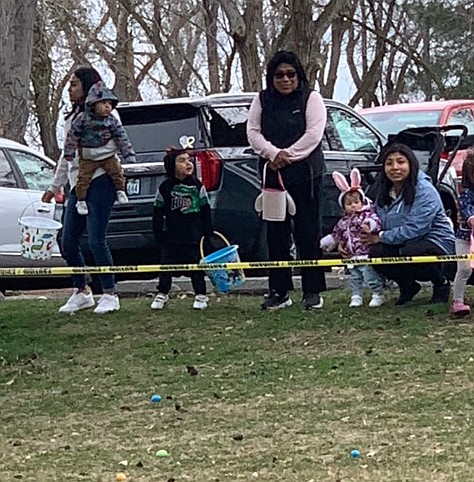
[185, 199]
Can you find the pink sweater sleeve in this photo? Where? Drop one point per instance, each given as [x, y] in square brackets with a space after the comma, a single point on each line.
[316, 117]
[258, 143]
[315, 123]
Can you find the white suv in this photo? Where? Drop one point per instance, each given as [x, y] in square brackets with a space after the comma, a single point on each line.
[24, 176]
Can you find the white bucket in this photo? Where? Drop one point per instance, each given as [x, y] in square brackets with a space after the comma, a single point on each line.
[38, 236]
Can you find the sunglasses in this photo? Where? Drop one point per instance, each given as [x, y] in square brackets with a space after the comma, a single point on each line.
[281, 75]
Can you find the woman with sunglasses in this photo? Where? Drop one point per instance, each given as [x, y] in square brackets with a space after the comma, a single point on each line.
[285, 126]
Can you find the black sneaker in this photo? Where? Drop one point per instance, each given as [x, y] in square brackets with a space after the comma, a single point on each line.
[407, 293]
[276, 302]
[312, 301]
[441, 293]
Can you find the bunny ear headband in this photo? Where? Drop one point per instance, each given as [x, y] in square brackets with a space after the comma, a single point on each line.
[344, 187]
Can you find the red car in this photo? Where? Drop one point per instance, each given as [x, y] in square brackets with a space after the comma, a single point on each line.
[391, 119]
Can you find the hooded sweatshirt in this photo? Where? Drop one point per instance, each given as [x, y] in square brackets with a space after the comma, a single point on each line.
[98, 137]
[425, 219]
[182, 214]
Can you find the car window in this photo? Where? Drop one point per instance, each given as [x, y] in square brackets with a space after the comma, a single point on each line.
[393, 122]
[463, 117]
[228, 126]
[153, 128]
[7, 178]
[348, 133]
[37, 172]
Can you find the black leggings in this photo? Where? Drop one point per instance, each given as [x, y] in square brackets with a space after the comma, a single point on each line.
[404, 275]
[307, 227]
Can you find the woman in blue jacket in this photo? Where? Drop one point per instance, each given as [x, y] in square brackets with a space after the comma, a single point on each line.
[414, 223]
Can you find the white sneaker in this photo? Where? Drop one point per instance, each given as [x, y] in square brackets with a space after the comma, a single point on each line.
[200, 302]
[107, 304]
[78, 301]
[160, 301]
[122, 197]
[376, 300]
[356, 301]
[82, 209]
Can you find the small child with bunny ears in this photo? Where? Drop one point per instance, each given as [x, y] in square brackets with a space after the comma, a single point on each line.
[358, 214]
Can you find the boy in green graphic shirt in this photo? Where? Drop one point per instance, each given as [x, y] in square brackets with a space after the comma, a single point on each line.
[181, 216]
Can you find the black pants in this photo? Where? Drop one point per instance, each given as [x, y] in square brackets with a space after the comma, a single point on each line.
[181, 254]
[406, 274]
[307, 232]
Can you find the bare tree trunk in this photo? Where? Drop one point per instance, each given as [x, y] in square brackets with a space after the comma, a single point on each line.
[211, 8]
[124, 67]
[244, 29]
[47, 112]
[16, 40]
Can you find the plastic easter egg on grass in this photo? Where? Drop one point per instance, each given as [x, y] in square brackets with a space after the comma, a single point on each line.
[156, 399]
[162, 453]
[355, 454]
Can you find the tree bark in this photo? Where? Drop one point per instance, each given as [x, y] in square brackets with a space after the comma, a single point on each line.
[16, 41]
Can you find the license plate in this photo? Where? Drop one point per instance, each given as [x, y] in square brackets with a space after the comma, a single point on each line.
[133, 187]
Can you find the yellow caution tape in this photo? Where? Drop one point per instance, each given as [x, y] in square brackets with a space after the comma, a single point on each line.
[152, 268]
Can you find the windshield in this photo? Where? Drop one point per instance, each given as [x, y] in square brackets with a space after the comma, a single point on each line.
[394, 122]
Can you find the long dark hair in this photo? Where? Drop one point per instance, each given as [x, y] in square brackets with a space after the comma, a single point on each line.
[290, 58]
[88, 76]
[409, 186]
[467, 179]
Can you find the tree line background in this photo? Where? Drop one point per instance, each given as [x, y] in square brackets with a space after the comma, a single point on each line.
[393, 50]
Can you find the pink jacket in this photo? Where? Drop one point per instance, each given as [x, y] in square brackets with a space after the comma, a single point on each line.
[348, 230]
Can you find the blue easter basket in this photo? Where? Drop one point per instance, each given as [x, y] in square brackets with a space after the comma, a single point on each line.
[223, 280]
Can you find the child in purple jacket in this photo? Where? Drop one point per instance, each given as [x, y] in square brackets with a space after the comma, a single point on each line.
[358, 212]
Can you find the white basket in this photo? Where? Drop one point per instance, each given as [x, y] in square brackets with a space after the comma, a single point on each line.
[38, 236]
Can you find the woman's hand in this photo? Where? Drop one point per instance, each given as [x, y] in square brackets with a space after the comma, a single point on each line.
[47, 197]
[281, 160]
[367, 237]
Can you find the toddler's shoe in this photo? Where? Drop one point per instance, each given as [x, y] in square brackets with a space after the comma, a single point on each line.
[81, 207]
[200, 302]
[458, 308]
[376, 300]
[160, 301]
[356, 301]
[122, 197]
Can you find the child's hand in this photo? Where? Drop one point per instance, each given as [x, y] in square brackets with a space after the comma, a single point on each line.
[341, 247]
[365, 229]
[470, 222]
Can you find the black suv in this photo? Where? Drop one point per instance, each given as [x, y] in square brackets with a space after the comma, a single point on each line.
[228, 168]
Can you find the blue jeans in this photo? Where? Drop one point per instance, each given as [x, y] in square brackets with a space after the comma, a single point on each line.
[358, 275]
[100, 199]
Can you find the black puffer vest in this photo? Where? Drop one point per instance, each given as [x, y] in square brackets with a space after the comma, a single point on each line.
[283, 122]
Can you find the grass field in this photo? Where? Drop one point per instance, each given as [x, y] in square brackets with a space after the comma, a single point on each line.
[247, 395]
